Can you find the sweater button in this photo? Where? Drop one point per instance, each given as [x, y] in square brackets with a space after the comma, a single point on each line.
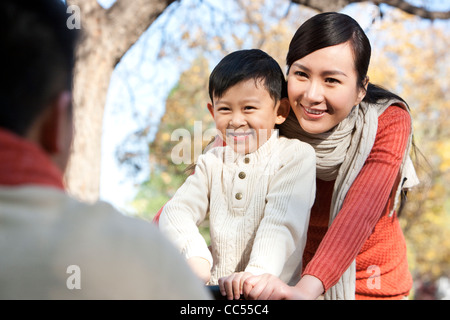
[242, 175]
[238, 196]
[247, 160]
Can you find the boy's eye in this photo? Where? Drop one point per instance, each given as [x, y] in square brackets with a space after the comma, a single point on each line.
[249, 108]
[223, 109]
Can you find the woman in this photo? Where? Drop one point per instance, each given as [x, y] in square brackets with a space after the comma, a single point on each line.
[362, 135]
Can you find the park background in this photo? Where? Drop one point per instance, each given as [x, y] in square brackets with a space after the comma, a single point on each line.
[142, 71]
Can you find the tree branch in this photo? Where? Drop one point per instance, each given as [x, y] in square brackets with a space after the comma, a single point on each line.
[127, 21]
[418, 11]
[325, 5]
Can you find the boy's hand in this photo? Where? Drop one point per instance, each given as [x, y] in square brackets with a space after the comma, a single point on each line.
[201, 268]
[232, 286]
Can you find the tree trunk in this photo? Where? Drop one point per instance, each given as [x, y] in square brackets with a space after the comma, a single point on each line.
[107, 35]
[91, 80]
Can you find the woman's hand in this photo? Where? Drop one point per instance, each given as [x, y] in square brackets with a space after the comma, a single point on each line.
[266, 287]
[270, 287]
[232, 286]
[201, 268]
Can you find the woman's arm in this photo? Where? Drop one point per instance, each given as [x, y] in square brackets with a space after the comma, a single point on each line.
[365, 201]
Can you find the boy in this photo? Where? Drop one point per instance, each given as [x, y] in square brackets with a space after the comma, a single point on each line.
[258, 189]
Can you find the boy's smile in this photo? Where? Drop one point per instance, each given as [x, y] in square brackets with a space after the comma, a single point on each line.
[240, 136]
[246, 114]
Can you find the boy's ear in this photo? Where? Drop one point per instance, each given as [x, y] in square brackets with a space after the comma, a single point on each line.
[283, 110]
[211, 109]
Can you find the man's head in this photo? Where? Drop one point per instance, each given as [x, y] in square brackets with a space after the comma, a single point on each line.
[37, 60]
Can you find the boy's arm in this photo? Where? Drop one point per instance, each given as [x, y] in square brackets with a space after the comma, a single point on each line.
[181, 216]
[218, 142]
[281, 234]
[201, 267]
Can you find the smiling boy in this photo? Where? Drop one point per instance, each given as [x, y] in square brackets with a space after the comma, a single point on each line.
[246, 115]
[258, 189]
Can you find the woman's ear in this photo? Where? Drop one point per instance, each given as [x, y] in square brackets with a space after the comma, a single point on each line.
[362, 91]
[283, 110]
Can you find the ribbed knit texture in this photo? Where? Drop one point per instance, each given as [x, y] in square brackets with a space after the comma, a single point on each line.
[262, 232]
[363, 228]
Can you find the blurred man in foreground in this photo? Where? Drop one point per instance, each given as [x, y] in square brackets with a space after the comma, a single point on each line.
[52, 246]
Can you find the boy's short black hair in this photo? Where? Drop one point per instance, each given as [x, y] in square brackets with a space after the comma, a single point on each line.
[244, 65]
[37, 59]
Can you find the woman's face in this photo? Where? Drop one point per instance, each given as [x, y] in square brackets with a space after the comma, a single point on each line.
[322, 88]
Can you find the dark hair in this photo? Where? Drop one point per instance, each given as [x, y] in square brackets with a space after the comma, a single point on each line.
[332, 28]
[37, 59]
[244, 65]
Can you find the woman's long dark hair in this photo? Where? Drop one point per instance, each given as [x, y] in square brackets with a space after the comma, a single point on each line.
[332, 28]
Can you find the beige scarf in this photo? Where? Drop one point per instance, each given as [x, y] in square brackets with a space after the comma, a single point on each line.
[340, 155]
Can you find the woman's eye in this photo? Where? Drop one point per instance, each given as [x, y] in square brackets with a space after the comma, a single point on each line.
[300, 74]
[332, 80]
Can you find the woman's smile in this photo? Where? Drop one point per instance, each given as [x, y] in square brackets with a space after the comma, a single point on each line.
[314, 113]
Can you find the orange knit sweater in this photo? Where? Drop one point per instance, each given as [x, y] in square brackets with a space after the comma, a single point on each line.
[363, 228]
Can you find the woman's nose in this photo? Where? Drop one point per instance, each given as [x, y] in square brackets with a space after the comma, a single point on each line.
[313, 93]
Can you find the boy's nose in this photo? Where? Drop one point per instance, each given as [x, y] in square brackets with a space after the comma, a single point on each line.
[237, 120]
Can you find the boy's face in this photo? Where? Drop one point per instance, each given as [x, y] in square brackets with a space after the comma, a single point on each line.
[246, 115]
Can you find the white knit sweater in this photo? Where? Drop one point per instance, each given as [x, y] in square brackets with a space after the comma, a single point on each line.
[259, 206]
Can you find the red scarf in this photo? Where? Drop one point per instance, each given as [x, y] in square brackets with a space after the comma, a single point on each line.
[23, 163]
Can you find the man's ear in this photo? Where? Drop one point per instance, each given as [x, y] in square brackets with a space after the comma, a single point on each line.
[56, 128]
[211, 109]
[283, 110]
